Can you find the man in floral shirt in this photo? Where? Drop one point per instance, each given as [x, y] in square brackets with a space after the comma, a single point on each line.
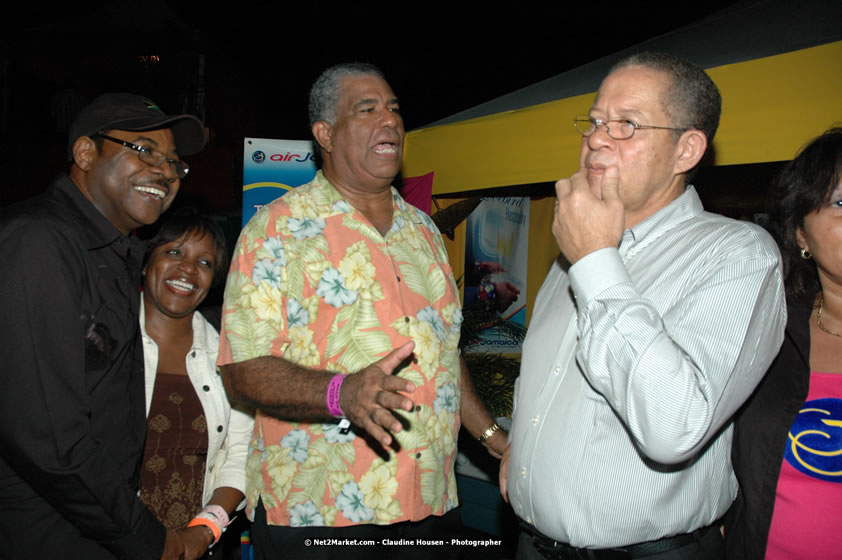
[341, 302]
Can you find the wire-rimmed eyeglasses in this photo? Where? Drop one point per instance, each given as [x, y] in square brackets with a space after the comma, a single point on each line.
[623, 129]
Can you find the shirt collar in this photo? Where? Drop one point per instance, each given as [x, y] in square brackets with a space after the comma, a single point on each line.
[683, 208]
[98, 232]
[400, 207]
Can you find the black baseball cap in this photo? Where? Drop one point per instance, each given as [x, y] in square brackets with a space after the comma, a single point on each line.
[127, 111]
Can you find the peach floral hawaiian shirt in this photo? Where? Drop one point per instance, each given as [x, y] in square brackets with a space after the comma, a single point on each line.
[314, 282]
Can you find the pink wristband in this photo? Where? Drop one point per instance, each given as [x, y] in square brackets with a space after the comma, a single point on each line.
[219, 513]
[333, 389]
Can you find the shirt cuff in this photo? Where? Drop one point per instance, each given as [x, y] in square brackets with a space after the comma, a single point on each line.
[596, 272]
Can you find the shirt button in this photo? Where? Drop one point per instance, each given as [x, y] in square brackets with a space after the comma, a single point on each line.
[529, 519]
[193, 354]
[219, 429]
[535, 420]
[406, 319]
[205, 388]
[557, 370]
[523, 472]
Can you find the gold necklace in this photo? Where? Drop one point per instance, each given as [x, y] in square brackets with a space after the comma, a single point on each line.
[819, 318]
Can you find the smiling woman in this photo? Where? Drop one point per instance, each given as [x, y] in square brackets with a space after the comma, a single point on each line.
[189, 419]
[179, 274]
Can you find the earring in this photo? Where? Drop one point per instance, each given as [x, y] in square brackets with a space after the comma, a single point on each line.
[805, 254]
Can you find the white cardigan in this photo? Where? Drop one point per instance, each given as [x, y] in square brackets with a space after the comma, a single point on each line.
[229, 431]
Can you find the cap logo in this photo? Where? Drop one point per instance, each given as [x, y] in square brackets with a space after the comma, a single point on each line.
[151, 105]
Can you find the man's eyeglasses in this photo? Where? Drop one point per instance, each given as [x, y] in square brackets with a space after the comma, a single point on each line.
[618, 129]
[151, 157]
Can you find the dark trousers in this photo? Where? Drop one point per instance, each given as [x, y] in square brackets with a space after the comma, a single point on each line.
[32, 528]
[409, 540]
[710, 546]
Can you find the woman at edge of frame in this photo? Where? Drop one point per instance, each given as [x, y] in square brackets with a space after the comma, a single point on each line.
[787, 451]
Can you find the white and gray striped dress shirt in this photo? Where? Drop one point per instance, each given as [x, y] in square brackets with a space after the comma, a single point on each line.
[633, 365]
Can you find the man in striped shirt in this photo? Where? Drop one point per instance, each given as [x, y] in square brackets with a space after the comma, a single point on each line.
[646, 337]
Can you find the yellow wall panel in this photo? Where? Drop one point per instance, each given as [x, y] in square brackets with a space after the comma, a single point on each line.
[771, 107]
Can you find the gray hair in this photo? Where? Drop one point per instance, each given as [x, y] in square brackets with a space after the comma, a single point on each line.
[692, 100]
[327, 89]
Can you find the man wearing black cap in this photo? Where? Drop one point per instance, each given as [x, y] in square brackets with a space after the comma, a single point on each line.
[72, 414]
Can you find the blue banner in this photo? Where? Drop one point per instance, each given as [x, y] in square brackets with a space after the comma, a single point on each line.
[271, 168]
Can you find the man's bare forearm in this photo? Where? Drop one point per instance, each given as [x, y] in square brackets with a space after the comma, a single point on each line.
[279, 388]
[287, 391]
[475, 415]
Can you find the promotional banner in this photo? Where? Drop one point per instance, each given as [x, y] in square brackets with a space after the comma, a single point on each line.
[495, 271]
[271, 168]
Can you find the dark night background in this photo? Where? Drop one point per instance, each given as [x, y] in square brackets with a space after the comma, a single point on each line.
[247, 67]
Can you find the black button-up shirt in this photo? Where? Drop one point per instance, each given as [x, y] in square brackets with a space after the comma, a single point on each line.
[72, 421]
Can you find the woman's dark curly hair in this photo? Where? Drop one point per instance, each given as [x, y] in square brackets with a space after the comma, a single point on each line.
[185, 222]
[803, 187]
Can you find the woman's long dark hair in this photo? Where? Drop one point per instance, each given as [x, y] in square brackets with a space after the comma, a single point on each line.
[803, 187]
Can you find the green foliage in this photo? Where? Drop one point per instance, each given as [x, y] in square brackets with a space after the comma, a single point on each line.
[493, 373]
[494, 377]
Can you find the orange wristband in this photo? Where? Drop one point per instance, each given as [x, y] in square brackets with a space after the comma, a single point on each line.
[214, 528]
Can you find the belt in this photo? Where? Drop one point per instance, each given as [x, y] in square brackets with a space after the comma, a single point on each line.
[554, 550]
